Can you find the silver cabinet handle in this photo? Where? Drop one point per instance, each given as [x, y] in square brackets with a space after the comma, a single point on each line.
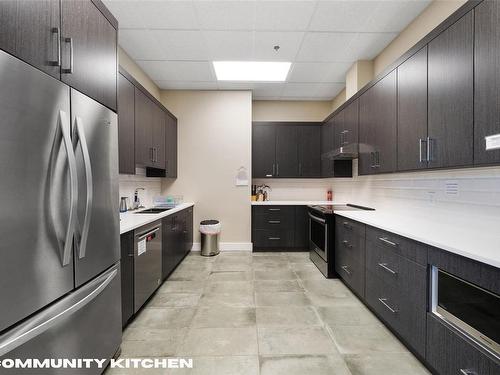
[57, 61]
[71, 59]
[467, 372]
[82, 241]
[269, 175]
[274, 209]
[345, 132]
[429, 149]
[377, 159]
[347, 244]
[346, 225]
[274, 169]
[383, 301]
[68, 146]
[387, 242]
[274, 238]
[372, 156]
[151, 154]
[274, 221]
[277, 169]
[420, 141]
[384, 267]
[54, 314]
[346, 270]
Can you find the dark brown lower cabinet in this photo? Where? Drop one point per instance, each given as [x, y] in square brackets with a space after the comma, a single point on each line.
[449, 353]
[177, 239]
[280, 228]
[127, 275]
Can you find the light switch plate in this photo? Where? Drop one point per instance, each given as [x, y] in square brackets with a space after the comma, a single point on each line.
[452, 187]
[492, 142]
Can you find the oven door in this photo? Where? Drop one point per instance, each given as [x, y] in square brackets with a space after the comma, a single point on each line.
[318, 229]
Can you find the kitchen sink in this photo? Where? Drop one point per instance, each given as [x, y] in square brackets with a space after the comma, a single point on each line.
[152, 211]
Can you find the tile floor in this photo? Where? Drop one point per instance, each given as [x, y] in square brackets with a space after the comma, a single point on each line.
[263, 313]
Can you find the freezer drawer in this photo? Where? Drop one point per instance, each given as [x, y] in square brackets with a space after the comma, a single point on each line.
[84, 324]
[147, 262]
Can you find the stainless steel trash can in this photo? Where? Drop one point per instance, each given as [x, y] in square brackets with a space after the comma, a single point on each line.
[210, 230]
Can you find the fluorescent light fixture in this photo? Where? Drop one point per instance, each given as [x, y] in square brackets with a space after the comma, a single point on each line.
[251, 71]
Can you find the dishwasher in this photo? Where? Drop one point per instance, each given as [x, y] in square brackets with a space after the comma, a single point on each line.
[147, 262]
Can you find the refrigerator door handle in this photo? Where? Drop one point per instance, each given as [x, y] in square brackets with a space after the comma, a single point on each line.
[52, 315]
[84, 234]
[68, 146]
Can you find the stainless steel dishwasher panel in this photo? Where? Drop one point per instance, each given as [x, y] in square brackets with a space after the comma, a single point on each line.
[147, 262]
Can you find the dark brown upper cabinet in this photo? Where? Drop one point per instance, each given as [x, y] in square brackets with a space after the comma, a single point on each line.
[144, 109]
[450, 95]
[487, 80]
[338, 130]
[309, 150]
[378, 127]
[89, 51]
[349, 133]
[412, 112]
[126, 129]
[287, 158]
[30, 30]
[171, 146]
[327, 146]
[263, 150]
[158, 140]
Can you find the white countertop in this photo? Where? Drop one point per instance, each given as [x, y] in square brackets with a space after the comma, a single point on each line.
[294, 203]
[130, 220]
[458, 233]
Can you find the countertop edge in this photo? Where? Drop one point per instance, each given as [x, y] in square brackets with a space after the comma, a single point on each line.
[426, 241]
[142, 219]
[294, 203]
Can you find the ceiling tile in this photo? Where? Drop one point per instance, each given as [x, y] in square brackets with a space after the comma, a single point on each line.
[181, 44]
[324, 47]
[341, 15]
[283, 15]
[225, 15]
[289, 43]
[365, 46]
[394, 16]
[229, 45]
[318, 72]
[176, 85]
[165, 14]
[188, 71]
[140, 44]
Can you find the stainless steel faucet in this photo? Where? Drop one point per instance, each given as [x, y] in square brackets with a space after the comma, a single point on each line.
[137, 201]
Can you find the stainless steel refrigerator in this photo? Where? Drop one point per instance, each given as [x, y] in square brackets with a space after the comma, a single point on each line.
[59, 221]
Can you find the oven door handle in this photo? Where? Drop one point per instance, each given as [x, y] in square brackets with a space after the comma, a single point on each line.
[318, 219]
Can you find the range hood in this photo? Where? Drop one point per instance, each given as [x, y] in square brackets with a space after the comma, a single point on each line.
[346, 152]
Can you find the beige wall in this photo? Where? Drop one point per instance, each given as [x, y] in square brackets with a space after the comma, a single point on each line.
[432, 16]
[214, 140]
[281, 110]
[135, 71]
[360, 73]
[338, 100]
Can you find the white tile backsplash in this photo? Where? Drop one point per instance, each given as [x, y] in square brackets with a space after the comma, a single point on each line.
[296, 189]
[152, 186]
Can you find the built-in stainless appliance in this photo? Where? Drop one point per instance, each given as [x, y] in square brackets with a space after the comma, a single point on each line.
[322, 234]
[147, 262]
[59, 270]
[472, 309]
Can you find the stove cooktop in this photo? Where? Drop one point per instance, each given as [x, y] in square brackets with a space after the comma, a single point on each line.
[331, 209]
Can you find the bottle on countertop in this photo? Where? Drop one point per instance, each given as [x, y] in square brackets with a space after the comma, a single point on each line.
[329, 195]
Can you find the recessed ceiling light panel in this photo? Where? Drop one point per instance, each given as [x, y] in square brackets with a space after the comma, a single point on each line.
[251, 71]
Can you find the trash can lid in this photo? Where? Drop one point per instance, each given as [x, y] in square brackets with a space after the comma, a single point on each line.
[209, 222]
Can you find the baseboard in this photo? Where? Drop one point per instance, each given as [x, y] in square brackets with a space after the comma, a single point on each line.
[227, 246]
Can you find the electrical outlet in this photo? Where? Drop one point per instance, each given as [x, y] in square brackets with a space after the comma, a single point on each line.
[452, 188]
[432, 196]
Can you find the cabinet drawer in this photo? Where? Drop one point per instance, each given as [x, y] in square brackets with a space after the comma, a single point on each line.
[349, 228]
[273, 221]
[273, 210]
[449, 353]
[351, 272]
[273, 238]
[384, 299]
[351, 245]
[402, 246]
[384, 264]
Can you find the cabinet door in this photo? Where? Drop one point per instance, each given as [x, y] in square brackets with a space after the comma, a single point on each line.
[326, 148]
[29, 30]
[143, 129]
[301, 227]
[351, 124]
[451, 95]
[367, 132]
[386, 124]
[171, 146]
[127, 275]
[309, 149]
[338, 130]
[412, 112]
[89, 51]
[263, 150]
[286, 151]
[158, 141]
[126, 130]
[487, 80]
